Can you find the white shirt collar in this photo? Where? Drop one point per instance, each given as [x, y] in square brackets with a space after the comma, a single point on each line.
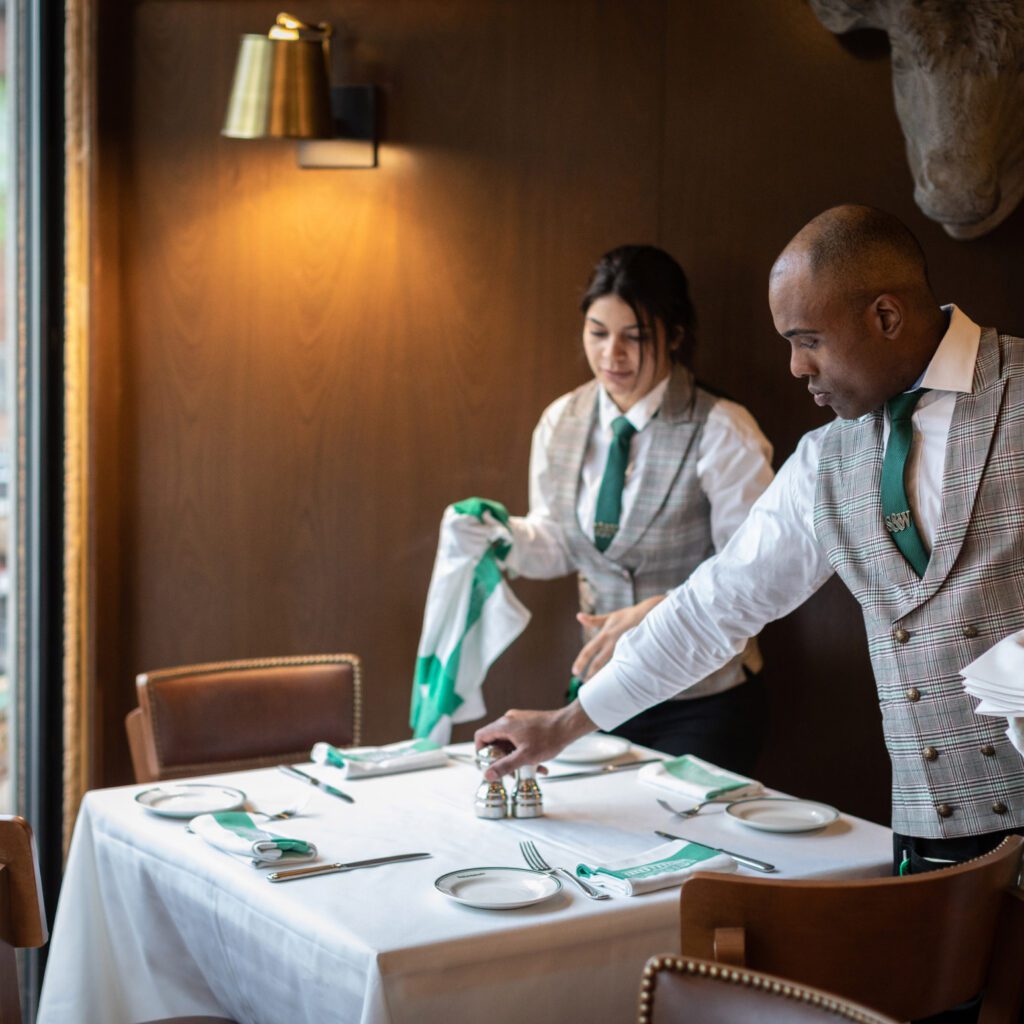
[952, 366]
[640, 413]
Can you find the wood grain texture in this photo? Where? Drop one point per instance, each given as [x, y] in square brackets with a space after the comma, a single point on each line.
[312, 364]
[316, 363]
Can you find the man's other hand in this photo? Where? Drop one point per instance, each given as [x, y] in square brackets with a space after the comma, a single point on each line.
[598, 651]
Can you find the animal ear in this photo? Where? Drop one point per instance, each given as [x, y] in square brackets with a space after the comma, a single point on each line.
[846, 15]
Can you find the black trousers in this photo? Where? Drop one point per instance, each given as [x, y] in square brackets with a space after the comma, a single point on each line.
[931, 854]
[727, 729]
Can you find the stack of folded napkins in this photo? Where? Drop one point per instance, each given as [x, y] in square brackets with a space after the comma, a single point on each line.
[366, 762]
[997, 680]
[660, 868]
[236, 833]
[696, 780]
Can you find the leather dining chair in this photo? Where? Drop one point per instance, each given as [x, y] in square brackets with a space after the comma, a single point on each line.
[683, 990]
[236, 715]
[23, 920]
[909, 947]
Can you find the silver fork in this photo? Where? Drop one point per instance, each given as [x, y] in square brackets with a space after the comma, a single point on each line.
[689, 812]
[532, 857]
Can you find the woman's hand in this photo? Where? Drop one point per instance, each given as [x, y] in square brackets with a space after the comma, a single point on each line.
[598, 651]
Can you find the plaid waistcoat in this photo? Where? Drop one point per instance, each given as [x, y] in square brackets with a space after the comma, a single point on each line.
[954, 773]
[667, 532]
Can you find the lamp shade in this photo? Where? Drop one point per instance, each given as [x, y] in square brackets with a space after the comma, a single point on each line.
[280, 91]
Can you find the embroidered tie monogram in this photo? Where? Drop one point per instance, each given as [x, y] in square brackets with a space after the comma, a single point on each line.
[609, 497]
[895, 507]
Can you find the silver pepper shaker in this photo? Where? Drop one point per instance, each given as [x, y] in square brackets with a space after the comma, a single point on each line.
[527, 800]
[491, 797]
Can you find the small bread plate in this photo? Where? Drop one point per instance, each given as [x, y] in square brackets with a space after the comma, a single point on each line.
[594, 748]
[498, 888]
[189, 799]
[781, 814]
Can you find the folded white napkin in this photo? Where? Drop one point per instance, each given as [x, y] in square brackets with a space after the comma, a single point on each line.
[236, 833]
[695, 779]
[660, 868]
[365, 762]
[997, 680]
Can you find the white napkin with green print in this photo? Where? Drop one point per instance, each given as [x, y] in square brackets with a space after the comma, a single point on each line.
[366, 762]
[236, 833]
[694, 779]
[664, 866]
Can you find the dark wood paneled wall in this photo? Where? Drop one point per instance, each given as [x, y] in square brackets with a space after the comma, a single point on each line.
[296, 370]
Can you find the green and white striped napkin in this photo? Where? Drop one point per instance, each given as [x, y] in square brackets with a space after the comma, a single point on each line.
[471, 617]
[236, 833]
[695, 779]
[366, 762]
[660, 868]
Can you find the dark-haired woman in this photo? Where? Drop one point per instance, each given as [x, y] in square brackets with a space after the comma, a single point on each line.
[636, 478]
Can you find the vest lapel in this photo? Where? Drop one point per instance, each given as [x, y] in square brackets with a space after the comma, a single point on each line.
[862, 474]
[970, 439]
[672, 434]
[573, 431]
[971, 431]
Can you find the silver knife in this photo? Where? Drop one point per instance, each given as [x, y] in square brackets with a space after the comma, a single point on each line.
[608, 769]
[330, 869]
[750, 862]
[298, 774]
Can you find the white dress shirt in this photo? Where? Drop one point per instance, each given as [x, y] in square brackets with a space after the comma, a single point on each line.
[733, 467]
[773, 562]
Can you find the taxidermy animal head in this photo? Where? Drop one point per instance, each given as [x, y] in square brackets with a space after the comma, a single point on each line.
[958, 82]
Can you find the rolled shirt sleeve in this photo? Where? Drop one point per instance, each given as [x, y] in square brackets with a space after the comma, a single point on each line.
[771, 565]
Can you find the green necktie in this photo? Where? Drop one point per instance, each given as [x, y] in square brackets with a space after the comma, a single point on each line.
[895, 507]
[609, 497]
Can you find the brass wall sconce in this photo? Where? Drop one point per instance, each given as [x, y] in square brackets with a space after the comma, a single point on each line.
[282, 91]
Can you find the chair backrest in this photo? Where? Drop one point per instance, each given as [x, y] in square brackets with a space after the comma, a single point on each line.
[684, 990]
[22, 920]
[911, 947]
[234, 715]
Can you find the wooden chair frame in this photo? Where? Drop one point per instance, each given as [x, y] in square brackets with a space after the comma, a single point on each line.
[910, 947]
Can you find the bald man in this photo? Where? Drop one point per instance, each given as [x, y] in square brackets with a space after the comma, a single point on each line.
[912, 495]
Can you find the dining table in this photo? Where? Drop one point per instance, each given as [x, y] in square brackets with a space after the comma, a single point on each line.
[154, 922]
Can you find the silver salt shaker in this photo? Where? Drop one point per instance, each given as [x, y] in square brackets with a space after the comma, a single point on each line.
[527, 800]
[491, 797]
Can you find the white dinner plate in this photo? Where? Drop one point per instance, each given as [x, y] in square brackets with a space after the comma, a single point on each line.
[498, 888]
[594, 748]
[188, 799]
[782, 814]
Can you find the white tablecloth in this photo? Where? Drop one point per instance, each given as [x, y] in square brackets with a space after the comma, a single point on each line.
[152, 922]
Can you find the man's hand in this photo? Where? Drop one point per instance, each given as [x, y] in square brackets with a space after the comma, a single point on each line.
[598, 651]
[536, 736]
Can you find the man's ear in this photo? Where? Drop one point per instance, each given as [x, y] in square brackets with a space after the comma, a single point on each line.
[889, 314]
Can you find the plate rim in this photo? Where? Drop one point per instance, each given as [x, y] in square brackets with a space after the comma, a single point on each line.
[239, 802]
[595, 760]
[550, 878]
[836, 815]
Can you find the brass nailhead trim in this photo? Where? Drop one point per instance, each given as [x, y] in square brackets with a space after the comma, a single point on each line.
[785, 990]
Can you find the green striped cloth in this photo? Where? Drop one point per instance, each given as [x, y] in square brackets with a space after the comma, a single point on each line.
[471, 617]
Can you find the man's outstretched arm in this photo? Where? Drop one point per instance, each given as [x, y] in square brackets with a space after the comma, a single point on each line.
[772, 564]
